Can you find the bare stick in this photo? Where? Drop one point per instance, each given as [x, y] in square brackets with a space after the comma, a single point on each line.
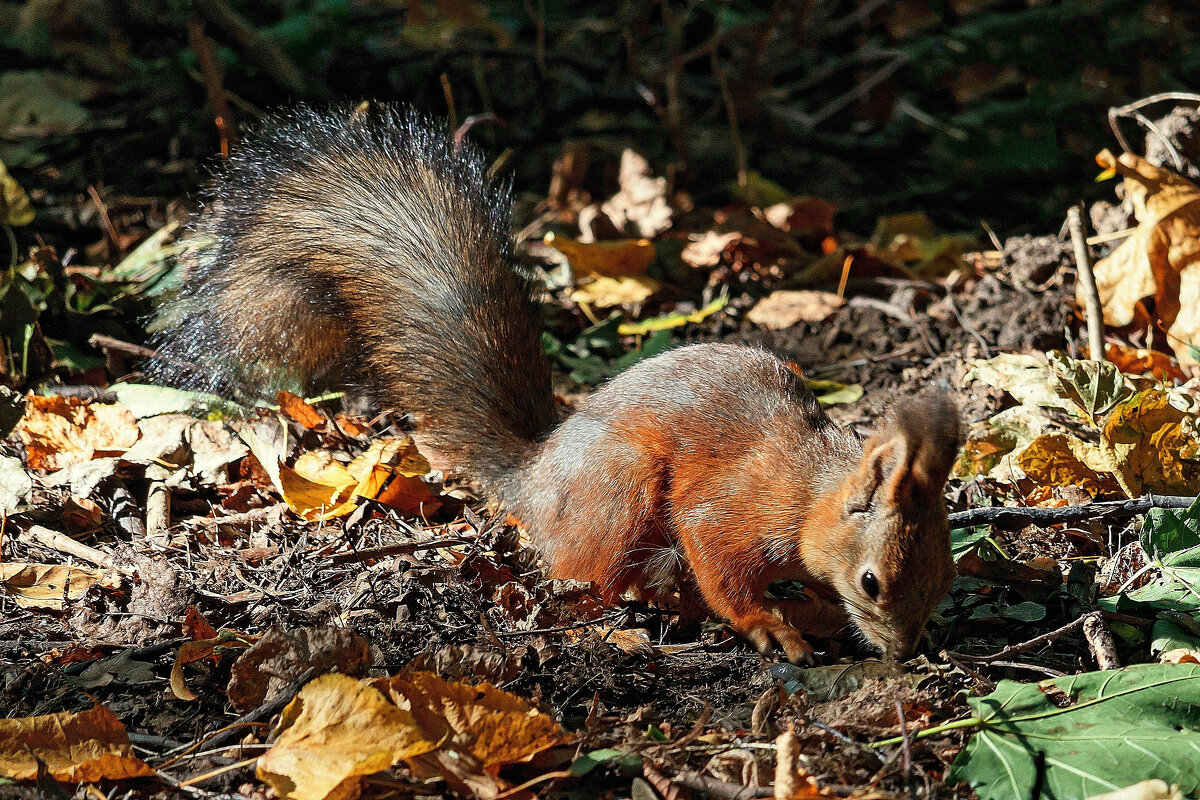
[158, 515]
[65, 544]
[787, 746]
[1100, 641]
[265, 54]
[1123, 111]
[1087, 281]
[906, 745]
[1023, 646]
[1054, 516]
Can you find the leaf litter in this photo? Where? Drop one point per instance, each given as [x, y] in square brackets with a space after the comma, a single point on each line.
[312, 567]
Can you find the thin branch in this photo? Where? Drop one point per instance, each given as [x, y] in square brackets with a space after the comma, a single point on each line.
[1021, 647]
[1054, 516]
[1087, 281]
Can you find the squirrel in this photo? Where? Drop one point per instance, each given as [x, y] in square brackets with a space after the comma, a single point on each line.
[367, 246]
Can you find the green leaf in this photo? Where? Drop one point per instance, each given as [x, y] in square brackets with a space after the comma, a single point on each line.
[1028, 611]
[1094, 386]
[832, 393]
[618, 758]
[1171, 539]
[1122, 726]
[964, 540]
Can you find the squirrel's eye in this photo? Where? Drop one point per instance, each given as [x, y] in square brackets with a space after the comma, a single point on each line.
[870, 585]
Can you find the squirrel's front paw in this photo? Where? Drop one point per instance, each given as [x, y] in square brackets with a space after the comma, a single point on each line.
[795, 647]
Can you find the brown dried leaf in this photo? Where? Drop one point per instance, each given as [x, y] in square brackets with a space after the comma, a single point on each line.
[1154, 444]
[280, 657]
[298, 409]
[76, 747]
[785, 308]
[641, 204]
[50, 585]
[613, 259]
[61, 431]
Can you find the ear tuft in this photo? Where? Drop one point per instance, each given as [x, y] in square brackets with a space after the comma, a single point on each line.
[930, 426]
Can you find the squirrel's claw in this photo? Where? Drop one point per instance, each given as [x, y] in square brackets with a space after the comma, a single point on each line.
[795, 647]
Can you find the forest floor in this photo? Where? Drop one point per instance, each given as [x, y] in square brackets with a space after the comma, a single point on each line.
[192, 574]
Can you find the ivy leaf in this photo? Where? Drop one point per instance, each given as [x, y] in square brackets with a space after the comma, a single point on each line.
[1122, 726]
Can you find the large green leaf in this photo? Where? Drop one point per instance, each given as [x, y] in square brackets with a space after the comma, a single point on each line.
[1117, 728]
[1171, 539]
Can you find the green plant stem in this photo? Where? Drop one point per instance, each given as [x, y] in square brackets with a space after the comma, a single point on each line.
[969, 722]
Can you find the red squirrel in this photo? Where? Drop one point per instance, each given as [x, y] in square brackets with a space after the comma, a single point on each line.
[366, 246]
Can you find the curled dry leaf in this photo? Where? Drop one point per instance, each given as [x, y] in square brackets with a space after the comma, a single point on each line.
[706, 251]
[298, 409]
[79, 747]
[337, 730]
[1135, 361]
[605, 292]
[641, 204]
[61, 431]
[51, 585]
[785, 308]
[1155, 444]
[1162, 257]
[15, 208]
[320, 487]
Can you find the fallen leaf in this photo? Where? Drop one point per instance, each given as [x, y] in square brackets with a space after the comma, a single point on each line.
[337, 730]
[280, 657]
[298, 409]
[61, 431]
[706, 250]
[15, 484]
[1056, 459]
[607, 292]
[1161, 259]
[640, 206]
[1155, 444]
[78, 747]
[803, 215]
[613, 259]
[15, 208]
[493, 726]
[672, 320]
[1135, 361]
[50, 585]
[785, 308]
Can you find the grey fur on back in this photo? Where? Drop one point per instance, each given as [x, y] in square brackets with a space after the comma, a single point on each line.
[360, 246]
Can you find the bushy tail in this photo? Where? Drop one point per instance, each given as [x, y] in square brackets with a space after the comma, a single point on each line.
[362, 246]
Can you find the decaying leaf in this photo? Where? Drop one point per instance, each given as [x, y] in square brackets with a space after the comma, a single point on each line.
[1056, 459]
[75, 747]
[1161, 259]
[1135, 361]
[785, 308]
[335, 731]
[321, 487]
[15, 484]
[611, 259]
[51, 585]
[280, 657]
[61, 431]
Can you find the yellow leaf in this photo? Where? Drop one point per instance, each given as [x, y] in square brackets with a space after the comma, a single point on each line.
[672, 320]
[15, 208]
[335, 731]
[79, 747]
[495, 727]
[49, 585]
[613, 259]
[1150, 439]
[1162, 257]
[61, 431]
[1056, 459]
[319, 466]
[623, 291]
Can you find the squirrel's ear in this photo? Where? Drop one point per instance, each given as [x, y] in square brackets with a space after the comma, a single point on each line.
[912, 455]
